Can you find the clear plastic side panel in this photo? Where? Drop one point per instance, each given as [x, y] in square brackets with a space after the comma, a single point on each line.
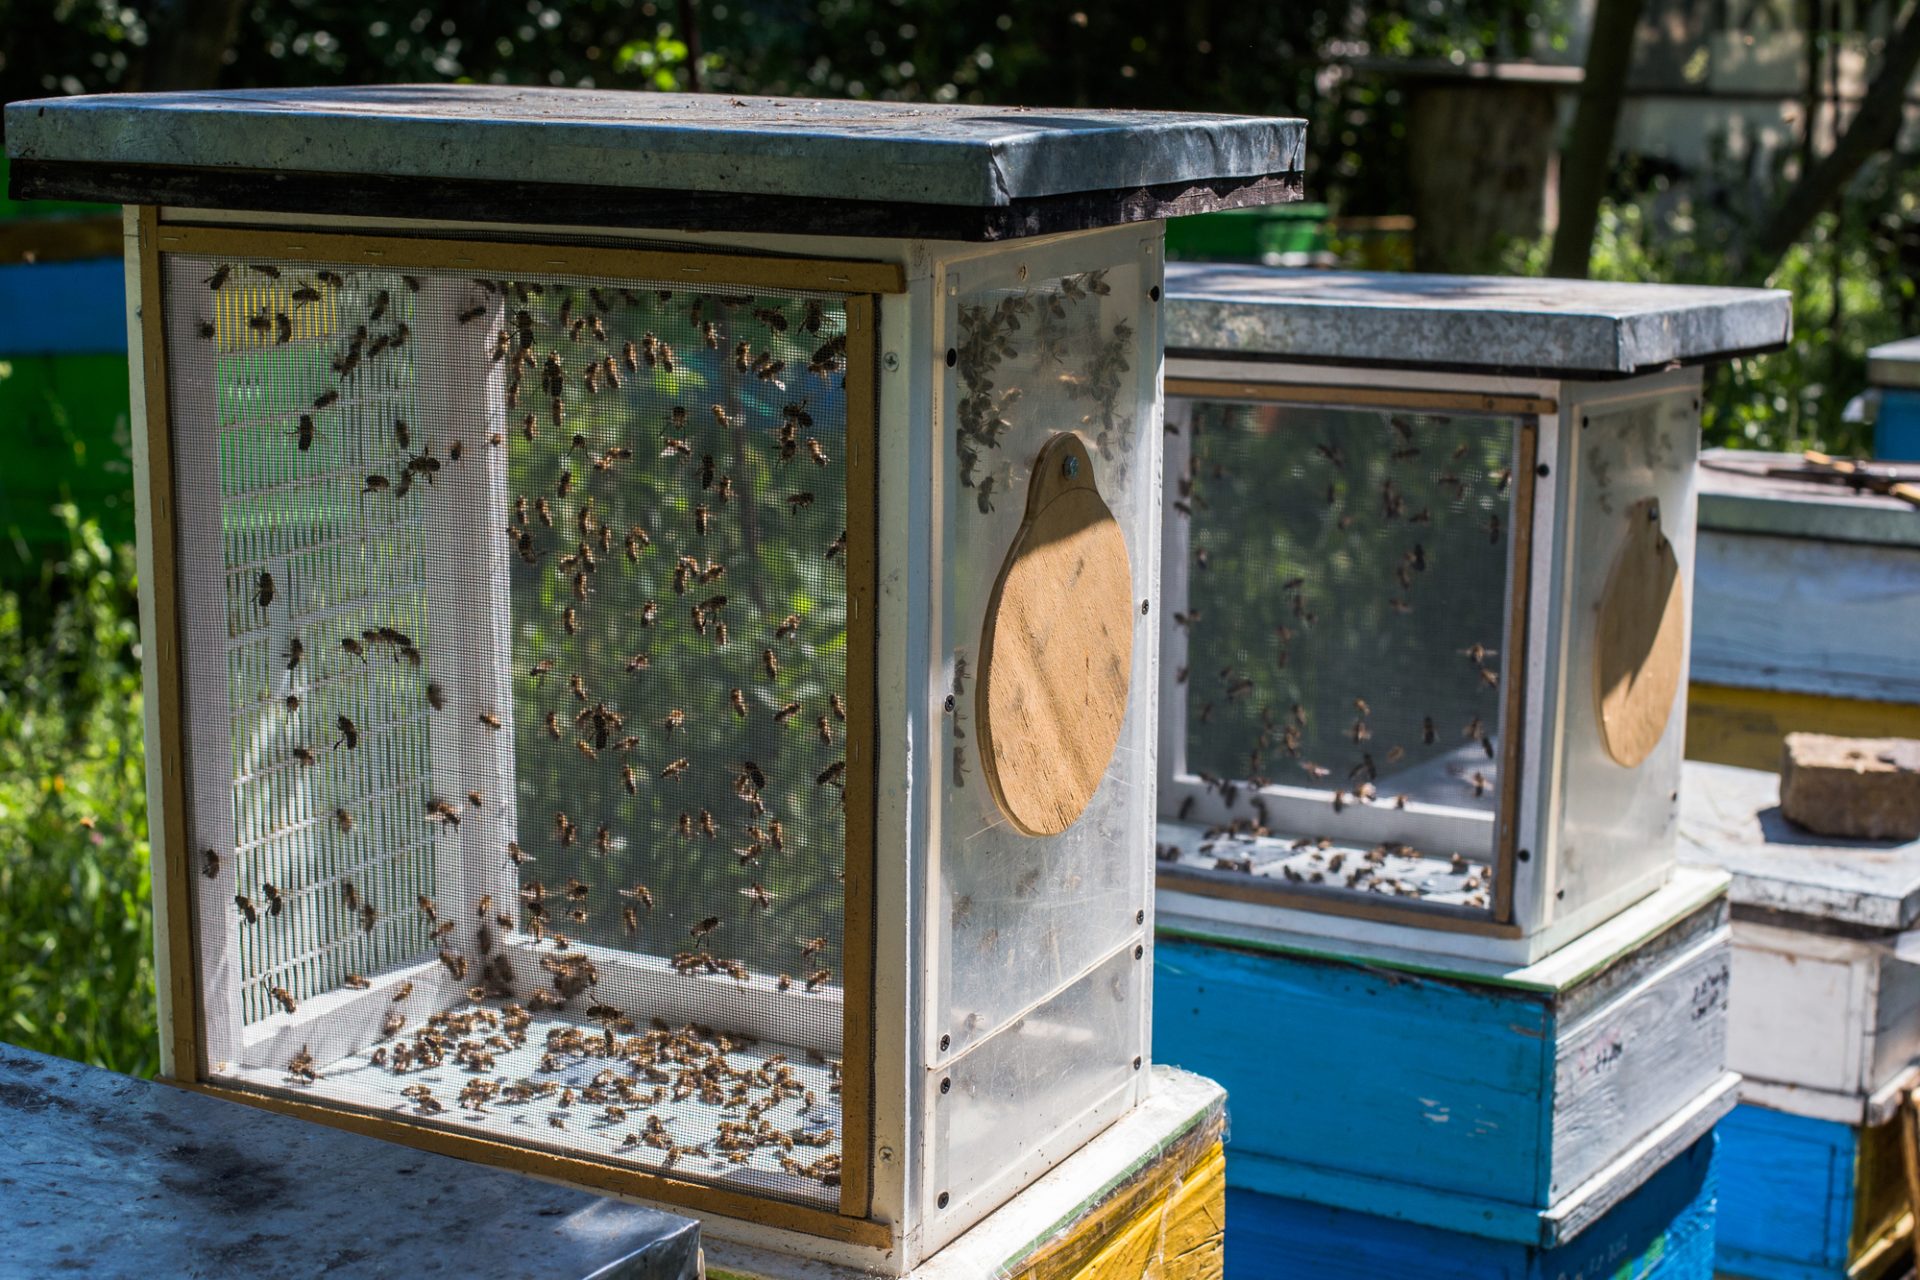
[1618, 823]
[1058, 339]
[516, 638]
[1342, 591]
[1027, 1098]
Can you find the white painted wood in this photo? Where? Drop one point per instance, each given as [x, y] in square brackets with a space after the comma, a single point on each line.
[1833, 618]
[1637, 1059]
[1811, 1011]
[1586, 1203]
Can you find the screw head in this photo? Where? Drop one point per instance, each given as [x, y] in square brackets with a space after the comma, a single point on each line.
[1070, 467]
[890, 362]
[886, 1155]
[946, 1084]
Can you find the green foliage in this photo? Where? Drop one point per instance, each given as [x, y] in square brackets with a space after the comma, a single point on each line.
[76, 967]
[1852, 286]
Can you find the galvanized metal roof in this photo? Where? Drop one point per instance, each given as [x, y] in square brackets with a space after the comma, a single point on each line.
[1895, 364]
[1743, 491]
[1730, 818]
[1493, 324]
[107, 1175]
[802, 147]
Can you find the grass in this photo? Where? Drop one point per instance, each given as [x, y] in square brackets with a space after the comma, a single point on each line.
[76, 943]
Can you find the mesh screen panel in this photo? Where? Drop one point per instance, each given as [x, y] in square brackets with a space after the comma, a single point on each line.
[1346, 598]
[516, 639]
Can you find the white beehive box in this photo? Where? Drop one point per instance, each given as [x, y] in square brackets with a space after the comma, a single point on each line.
[576, 539]
[1427, 561]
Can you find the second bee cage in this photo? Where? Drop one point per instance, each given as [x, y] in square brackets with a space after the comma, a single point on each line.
[651, 645]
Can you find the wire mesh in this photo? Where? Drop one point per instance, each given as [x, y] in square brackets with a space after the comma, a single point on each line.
[1346, 590]
[519, 770]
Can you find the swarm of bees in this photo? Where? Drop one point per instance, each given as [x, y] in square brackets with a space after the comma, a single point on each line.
[587, 382]
[1397, 505]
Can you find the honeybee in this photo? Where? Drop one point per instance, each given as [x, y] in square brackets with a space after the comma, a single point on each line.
[639, 893]
[838, 545]
[676, 768]
[326, 398]
[1479, 784]
[283, 998]
[516, 855]
[303, 434]
[368, 915]
[818, 977]
[343, 820]
[305, 756]
[771, 663]
[761, 898]
[540, 668]
[209, 864]
[356, 982]
[675, 719]
[739, 704]
[815, 452]
[787, 712]
[649, 612]
[833, 775]
[840, 708]
[219, 277]
[472, 313]
[349, 733]
[825, 727]
[247, 909]
[570, 620]
[628, 781]
[478, 801]
[704, 927]
[490, 720]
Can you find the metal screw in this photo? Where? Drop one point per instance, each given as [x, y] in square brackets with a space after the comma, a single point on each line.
[1140, 917]
[946, 1084]
[1154, 293]
[890, 362]
[1138, 952]
[886, 1155]
[1136, 1064]
[942, 1201]
[1070, 467]
[946, 1042]
[953, 357]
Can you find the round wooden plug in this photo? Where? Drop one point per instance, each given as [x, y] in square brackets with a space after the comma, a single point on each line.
[1056, 654]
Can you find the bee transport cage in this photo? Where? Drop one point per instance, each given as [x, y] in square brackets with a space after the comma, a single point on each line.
[650, 627]
[1426, 569]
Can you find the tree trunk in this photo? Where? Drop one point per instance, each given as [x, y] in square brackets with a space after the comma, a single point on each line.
[1473, 198]
[187, 44]
[1587, 162]
[1874, 128]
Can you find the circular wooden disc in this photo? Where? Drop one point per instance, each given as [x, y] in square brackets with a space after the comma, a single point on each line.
[1638, 649]
[1056, 654]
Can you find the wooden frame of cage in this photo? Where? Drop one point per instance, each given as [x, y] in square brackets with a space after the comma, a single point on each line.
[1497, 920]
[176, 925]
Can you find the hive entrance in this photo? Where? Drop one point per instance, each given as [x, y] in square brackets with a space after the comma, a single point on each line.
[517, 641]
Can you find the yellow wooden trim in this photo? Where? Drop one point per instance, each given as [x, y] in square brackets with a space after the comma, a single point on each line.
[823, 275]
[1731, 725]
[576, 1171]
[1514, 717]
[161, 634]
[1887, 1255]
[857, 924]
[1417, 400]
[1170, 1224]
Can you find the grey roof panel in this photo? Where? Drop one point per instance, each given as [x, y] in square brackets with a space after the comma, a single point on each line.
[111, 1176]
[1577, 328]
[936, 154]
[1730, 818]
[1895, 364]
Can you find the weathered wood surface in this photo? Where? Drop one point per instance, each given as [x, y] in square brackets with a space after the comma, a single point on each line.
[1449, 1100]
[1727, 724]
[1730, 818]
[1804, 1199]
[109, 1176]
[1814, 616]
